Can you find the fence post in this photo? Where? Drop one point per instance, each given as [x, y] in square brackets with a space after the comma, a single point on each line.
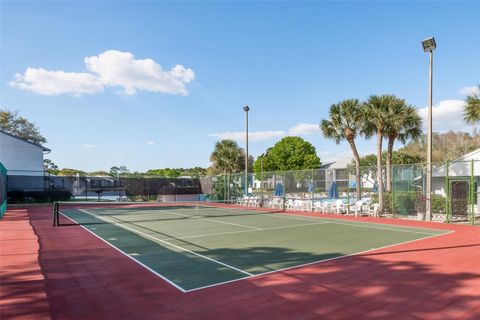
[392, 194]
[471, 197]
[313, 189]
[447, 193]
[47, 179]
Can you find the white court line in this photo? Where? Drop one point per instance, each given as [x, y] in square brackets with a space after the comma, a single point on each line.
[315, 262]
[279, 215]
[313, 219]
[167, 243]
[213, 220]
[260, 274]
[362, 224]
[354, 223]
[127, 255]
[243, 231]
[381, 228]
[365, 223]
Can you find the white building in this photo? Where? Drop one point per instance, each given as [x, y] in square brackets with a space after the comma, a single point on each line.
[336, 171]
[21, 157]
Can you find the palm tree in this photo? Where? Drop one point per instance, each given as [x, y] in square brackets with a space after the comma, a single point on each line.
[472, 108]
[376, 119]
[345, 123]
[226, 157]
[404, 123]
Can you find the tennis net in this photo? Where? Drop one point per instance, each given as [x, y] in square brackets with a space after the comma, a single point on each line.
[90, 212]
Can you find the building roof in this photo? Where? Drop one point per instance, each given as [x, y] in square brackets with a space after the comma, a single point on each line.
[339, 164]
[26, 141]
[461, 167]
[474, 155]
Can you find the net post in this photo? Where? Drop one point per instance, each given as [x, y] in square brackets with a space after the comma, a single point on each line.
[55, 214]
[58, 214]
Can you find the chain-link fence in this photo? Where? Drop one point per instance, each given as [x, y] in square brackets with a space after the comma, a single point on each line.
[454, 197]
[43, 187]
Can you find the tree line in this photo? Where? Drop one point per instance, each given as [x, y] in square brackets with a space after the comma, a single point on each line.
[124, 172]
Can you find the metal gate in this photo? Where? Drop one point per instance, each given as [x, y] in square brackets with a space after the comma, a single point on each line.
[459, 198]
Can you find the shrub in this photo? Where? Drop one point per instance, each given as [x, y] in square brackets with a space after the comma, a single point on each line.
[408, 203]
[438, 204]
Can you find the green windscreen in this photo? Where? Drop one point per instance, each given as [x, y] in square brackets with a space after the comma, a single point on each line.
[3, 190]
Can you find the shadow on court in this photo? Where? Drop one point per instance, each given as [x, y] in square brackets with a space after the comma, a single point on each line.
[86, 279]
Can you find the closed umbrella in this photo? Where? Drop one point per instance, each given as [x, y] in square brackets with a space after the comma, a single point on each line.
[278, 189]
[333, 192]
[310, 187]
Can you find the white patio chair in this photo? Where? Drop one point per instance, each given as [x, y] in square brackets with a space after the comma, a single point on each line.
[277, 203]
[305, 205]
[338, 207]
[297, 205]
[255, 202]
[374, 210]
[289, 204]
[324, 207]
[358, 208]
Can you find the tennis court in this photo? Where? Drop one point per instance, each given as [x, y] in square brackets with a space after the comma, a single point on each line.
[202, 244]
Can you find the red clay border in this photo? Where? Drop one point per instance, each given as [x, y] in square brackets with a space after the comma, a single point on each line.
[84, 278]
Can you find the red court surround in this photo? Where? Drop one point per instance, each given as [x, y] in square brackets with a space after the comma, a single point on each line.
[67, 273]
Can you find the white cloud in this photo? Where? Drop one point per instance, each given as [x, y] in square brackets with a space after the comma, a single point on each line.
[324, 153]
[88, 145]
[469, 91]
[109, 69]
[53, 83]
[304, 129]
[116, 68]
[447, 115]
[150, 143]
[252, 136]
[299, 129]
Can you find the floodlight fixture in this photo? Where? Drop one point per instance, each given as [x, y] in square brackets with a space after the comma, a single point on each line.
[429, 44]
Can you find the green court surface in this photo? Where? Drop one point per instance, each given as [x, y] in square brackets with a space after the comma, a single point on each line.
[196, 248]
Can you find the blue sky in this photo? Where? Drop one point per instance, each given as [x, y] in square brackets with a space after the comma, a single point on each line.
[80, 72]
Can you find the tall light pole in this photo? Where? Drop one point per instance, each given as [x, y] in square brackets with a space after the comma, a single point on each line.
[428, 46]
[246, 109]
